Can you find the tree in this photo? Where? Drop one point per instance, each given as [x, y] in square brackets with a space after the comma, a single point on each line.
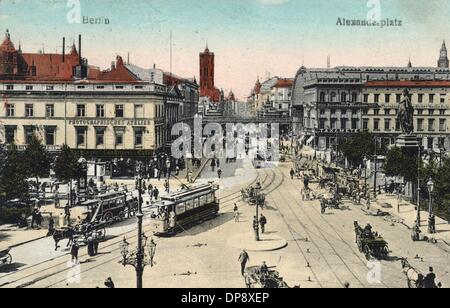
[36, 160]
[400, 162]
[67, 167]
[360, 146]
[13, 181]
[3, 158]
[441, 195]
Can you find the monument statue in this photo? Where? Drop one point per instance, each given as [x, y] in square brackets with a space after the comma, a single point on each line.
[406, 113]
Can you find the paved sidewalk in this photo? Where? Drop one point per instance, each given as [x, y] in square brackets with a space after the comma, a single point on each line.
[408, 216]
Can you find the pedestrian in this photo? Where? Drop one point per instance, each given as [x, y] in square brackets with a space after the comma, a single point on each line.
[263, 223]
[96, 244]
[430, 280]
[51, 225]
[219, 173]
[74, 252]
[33, 217]
[213, 165]
[90, 246]
[177, 170]
[57, 204]
[292, 174]
[190, 176]
[156, 193]
[109, 284]
[218, 163]
[236, 213]
[166, 186]
[243, 260]
[306, 182]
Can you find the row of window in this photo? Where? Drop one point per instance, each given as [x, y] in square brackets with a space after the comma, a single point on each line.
[119, 111]
[10, 87]
[81, 136]
[194, 203]
[333, 97]
[386, 111]
[420, 125]
[398, 98]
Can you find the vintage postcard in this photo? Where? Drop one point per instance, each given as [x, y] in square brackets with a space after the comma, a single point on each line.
[213, 145]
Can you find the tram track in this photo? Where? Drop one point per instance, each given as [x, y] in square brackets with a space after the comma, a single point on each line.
[340, 238]
[324, 237]
[31, 279]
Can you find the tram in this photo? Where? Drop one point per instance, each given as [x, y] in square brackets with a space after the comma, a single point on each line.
[107, 207]
[184, 209]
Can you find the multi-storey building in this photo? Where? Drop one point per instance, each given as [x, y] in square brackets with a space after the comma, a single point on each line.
[108, 115]
[333, 104]
[430, 99]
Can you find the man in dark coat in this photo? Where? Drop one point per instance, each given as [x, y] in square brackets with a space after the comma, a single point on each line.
[243, 260]
[263, 223]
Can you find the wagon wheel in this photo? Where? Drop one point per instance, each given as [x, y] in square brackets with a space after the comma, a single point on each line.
[367, 252]
[7, 260]
[108, 217]
[122, 216]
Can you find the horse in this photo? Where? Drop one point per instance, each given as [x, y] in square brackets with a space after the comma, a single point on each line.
[59, 235]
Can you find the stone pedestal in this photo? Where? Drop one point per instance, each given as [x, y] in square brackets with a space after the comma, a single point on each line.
[408, 142]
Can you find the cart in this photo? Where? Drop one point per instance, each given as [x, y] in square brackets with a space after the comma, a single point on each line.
[255, 278]
[5, 257]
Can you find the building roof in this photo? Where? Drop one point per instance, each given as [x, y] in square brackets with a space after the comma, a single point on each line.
[409, 84]
[284, 83]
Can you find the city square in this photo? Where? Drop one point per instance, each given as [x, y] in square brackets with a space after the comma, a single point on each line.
[145, 173]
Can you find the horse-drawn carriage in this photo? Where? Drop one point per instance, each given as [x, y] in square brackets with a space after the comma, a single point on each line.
[5, 257]
[416, 280]
[80, 234]
[257, 278]
[370, 243]
[252, 197]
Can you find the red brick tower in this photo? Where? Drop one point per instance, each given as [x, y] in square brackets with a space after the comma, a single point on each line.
[207, 87]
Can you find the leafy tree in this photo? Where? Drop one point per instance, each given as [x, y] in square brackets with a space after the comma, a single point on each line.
[402, 163]
[13, 183]
[441, 195]
[36, 160]
[3, 158]
[360, 146]
[67, 167]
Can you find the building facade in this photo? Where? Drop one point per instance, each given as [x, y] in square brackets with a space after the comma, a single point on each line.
[123, 112]
[430, 99]
[330, 105]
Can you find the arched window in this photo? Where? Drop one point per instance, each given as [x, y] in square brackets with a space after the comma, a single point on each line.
[333, 97]
[322, 97]
[343, 97]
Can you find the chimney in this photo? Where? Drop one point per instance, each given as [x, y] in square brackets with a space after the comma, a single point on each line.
[64, 50]
[79, 48]
[113, 65]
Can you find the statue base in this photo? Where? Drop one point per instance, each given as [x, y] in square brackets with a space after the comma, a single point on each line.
[407, 141]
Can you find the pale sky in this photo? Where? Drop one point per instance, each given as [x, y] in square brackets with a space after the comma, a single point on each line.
[249, 37]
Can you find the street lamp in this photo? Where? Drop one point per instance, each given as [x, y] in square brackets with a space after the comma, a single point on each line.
[365, 175]
[137, 258]
[431, 220]
[258, 189]
[168, 166]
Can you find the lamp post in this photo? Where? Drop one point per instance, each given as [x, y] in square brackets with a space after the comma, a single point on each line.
[431, 219]
[419, 218]
[258, 189]
[376, 170]
[137, 258]
[168, 166]
[365, 176]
